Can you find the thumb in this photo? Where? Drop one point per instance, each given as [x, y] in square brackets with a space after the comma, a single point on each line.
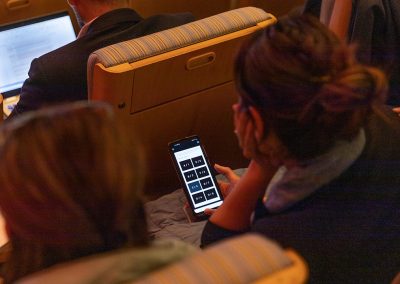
[396, 110]
[226, 171]
[209, 211]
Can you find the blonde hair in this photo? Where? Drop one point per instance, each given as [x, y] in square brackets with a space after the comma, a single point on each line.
[70, 180]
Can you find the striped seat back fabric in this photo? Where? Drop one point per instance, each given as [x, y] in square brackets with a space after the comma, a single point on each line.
[240, 260]
[178, 37]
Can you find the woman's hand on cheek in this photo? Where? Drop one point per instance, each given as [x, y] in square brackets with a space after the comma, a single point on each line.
[240, 121]
[255, 146]
[244, 130]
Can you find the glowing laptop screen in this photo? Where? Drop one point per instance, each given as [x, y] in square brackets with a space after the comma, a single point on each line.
[22, 42]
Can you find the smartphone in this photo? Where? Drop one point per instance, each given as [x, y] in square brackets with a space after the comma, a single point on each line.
[196, 175]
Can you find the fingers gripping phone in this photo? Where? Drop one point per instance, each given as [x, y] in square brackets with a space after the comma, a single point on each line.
[196, 175]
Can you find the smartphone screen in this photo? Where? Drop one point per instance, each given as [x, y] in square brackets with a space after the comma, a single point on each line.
[195, 174]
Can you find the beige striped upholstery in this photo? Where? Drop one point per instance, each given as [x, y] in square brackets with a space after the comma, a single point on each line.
[245, 259]
[177, 83]
[164, 41]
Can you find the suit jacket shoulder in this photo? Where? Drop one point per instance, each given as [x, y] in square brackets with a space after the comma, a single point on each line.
[60, 76]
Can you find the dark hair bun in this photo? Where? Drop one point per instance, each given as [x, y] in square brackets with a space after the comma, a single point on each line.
[307, 84]
[355, 87]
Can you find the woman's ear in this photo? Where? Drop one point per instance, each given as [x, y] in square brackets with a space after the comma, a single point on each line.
[258, 123]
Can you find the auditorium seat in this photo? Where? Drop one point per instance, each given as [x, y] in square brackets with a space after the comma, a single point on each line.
[177, 83]
[246, 259]
[199, 8]
[276, 7]
[19, 10]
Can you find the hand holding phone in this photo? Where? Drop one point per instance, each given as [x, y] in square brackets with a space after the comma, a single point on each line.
[196, 175]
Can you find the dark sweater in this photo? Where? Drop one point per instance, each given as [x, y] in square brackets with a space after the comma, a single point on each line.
[349, 230]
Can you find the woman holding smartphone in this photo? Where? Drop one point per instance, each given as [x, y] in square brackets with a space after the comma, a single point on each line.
[323, 176]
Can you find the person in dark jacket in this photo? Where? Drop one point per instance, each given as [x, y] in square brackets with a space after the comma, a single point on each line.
[324, 172]
[374, 26]
[60, 76]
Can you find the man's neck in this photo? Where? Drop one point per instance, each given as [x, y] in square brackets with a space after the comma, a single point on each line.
[90, 12]
[95, 13]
